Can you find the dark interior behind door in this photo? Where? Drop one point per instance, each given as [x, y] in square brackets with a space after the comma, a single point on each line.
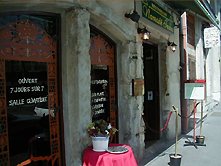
[151, 97]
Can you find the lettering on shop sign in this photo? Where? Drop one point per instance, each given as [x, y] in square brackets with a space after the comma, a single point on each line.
[155, 13]
[99, 92]
[25, 87]
[211, 37]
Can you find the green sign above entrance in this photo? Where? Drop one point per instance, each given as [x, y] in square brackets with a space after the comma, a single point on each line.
[157, 14]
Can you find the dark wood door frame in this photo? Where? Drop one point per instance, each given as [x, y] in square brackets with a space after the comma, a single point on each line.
[103, 53]
[23, 39]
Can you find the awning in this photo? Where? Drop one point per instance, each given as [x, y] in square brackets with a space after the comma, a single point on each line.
[196, 6]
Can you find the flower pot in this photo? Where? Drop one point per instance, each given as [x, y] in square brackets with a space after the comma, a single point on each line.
[175, 160]
[200, 139]
[100, 144]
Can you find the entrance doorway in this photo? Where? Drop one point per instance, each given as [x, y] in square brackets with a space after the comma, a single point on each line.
[29, 117]
[103, 78]
[151, 114]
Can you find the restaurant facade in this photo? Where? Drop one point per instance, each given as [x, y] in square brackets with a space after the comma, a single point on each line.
[66, 63]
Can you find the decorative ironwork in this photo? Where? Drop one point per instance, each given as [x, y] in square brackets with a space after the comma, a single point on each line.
[24, 38]
[53, 104]
[101, 51]
[4, 153]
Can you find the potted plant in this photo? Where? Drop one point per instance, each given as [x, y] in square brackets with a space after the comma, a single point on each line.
[101, 131]
[175, 159]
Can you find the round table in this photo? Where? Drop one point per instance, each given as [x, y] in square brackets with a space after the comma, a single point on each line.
[92, 158]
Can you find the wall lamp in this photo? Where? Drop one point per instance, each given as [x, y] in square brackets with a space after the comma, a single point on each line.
[133, 16]
[172, 46]
[144, 32]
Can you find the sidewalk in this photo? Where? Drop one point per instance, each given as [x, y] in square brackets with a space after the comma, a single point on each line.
[208, 155]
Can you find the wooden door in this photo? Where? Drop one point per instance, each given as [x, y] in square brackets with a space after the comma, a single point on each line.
[29, 118]
[103, 78]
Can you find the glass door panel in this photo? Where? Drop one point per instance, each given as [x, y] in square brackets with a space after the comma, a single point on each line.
[27, 109]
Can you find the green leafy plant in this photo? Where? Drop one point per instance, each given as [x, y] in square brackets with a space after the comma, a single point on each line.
[101, 128]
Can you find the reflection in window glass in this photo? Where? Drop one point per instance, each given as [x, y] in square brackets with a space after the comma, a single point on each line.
[27, 103]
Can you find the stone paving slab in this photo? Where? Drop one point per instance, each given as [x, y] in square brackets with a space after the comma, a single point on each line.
[209, 155]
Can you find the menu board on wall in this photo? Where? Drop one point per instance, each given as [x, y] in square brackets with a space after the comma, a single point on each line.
[26, 84]
[99, 92]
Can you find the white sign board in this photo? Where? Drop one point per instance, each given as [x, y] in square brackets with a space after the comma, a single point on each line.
[195, 91]
[211, 37]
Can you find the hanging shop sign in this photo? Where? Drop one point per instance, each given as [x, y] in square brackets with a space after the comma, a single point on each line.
[138, 87]
[195, 90]
[157, 14]
[211, 37]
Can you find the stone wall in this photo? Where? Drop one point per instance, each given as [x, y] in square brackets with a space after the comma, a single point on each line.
[107, 16]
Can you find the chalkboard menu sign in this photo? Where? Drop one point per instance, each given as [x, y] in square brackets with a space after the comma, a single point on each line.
[99, 92]
[26, 84]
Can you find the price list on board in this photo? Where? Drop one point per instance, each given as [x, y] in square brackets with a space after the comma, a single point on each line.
[99, 92]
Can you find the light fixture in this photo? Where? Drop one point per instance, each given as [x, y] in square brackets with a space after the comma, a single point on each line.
[172, 46]
[145, 33]
[133, 16]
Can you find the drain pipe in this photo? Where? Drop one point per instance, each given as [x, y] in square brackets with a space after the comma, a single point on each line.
[183, 48]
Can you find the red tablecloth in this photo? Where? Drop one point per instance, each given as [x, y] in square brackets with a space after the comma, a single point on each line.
[92, 158]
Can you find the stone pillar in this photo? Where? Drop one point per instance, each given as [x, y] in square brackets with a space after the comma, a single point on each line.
[76, 83]
[131, 126]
